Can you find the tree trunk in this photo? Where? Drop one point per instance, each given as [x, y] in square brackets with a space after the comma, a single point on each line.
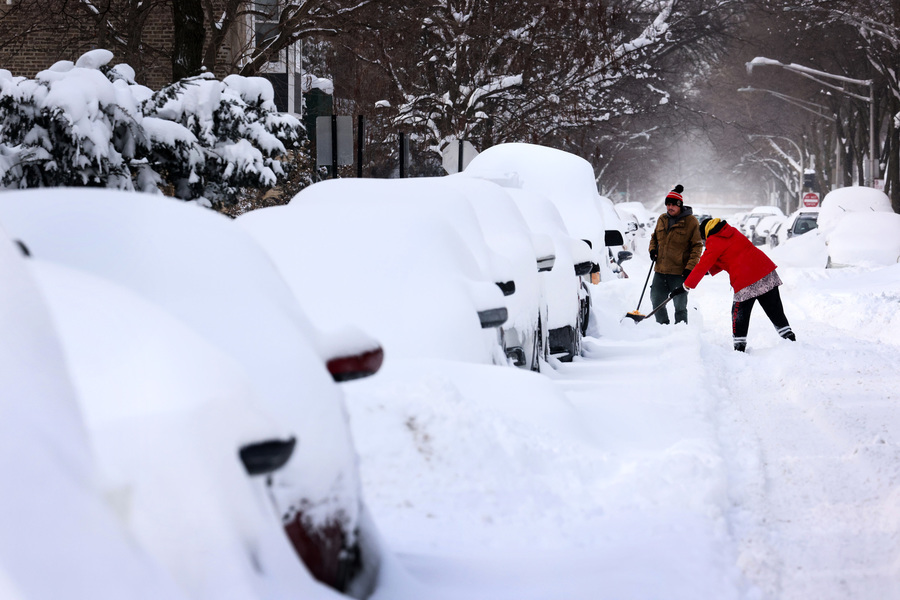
[892, 183]
[187, 55]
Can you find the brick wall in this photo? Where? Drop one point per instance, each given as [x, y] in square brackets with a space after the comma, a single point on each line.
[33, 37]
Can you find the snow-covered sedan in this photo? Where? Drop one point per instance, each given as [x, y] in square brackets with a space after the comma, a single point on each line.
[403, 260]
[61, 538]
[568, 182]
[202, 269]
[175, 430]
[525, 334]
[563, 285]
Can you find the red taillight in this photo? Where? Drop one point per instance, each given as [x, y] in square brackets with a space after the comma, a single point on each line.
[345, 368]
[324, 551]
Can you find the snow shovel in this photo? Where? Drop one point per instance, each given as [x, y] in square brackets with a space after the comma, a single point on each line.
[636, 313]
[639, 318]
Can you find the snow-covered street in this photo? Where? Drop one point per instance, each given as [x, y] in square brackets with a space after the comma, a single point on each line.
[660, 465]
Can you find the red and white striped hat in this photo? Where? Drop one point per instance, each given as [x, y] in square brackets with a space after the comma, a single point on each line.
[675, 194]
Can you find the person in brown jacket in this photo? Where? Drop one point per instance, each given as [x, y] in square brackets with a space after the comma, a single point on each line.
[676, 247]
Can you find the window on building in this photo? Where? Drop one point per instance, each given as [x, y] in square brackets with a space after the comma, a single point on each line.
[266, 26]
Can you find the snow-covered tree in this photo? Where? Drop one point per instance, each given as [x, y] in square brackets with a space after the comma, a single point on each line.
[230, 135]
[89, 124]
[69, 126]
[537, 71]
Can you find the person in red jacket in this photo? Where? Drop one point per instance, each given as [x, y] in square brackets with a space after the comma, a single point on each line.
[752, 274]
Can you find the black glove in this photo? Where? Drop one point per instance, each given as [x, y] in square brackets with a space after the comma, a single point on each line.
[677, 291]
[685, 273]
[653, 255]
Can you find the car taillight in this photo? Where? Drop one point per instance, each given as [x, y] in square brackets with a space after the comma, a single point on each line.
[356, 366]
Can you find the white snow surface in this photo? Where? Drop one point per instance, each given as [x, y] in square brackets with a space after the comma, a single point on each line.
[661, 464]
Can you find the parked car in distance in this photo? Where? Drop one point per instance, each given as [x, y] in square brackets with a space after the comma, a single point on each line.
[760, 235]
[774, 234]
[864, 239]
[754, 217]
[616, 250]
[204, 270]
[563, 286]
[568, 182]
[860, 227]
[801, 221]
[841, 201]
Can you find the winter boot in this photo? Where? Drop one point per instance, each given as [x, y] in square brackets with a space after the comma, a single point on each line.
[787, 334]
[740, 346]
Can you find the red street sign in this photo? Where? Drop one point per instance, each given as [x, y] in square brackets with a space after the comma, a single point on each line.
[810, 199]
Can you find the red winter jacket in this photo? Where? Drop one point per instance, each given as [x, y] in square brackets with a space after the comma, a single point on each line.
[729, 250]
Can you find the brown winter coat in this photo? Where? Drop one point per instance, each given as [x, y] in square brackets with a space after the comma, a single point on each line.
[679, 244]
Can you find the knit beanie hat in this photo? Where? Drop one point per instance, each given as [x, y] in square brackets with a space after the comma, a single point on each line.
[675, 195]
[709, 227]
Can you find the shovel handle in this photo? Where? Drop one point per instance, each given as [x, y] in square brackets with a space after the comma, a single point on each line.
[661, 304]
[652, 262]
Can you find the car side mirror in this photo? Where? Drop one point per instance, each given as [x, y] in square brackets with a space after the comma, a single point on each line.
[265, 457]
[584, 268]
[493, 317]
[507, 287]
[623, 256]
[613, 237]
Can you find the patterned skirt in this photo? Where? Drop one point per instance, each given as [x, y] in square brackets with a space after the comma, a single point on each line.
[754, 290]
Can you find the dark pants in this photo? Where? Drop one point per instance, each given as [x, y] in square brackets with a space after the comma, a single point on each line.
[659, 291]
[771, 304]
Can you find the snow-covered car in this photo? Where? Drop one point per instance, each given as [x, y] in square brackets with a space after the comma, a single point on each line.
[755, 216]
[839, 202]
[634, 219]
[202, 269]
[563, 285]
[775, 234]
[864, 239]
[175, 431]
[616, 253]
[568, 181]
[637, 211]
[390, 257]
[61, 537]
[799, 222]
[631, 223]
[760, 235]
[525, 334]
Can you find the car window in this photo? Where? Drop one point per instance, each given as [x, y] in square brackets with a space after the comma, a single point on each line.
[804, 224]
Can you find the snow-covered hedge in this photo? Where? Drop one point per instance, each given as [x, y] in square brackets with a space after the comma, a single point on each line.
[89, 124]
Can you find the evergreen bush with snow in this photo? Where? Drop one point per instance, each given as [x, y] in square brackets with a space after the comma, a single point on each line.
[89, 124]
